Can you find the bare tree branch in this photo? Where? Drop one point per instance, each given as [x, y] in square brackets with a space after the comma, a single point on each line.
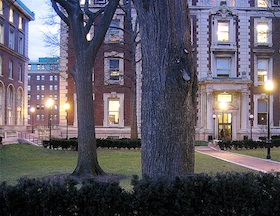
[59, 12]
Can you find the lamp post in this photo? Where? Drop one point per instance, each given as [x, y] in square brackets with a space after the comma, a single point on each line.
[214, 118]
[268, 87]
[66, 107]
[49, 105]
[251, 118]
[32, 110]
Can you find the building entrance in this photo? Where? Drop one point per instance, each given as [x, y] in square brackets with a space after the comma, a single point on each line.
[225, 126]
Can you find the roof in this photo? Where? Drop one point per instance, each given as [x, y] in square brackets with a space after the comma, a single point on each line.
[24, 9]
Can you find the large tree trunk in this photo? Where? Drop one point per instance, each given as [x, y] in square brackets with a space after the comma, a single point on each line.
[87, 165]
[168, 88]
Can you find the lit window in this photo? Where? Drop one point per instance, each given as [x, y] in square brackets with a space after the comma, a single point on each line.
[262, 3]
[113, 111]
[37, 77]
[11, 15]
[29, 88]
[20, 21]
[38, 97]
[55, 97]
[223, 31]
[55, 87]
[223, 67]
[262, 32]
[225, 98]
[55, 77]
[262, 112]
[38, 67]
[42, 77]
[114, 71]
[42, 87]
[51, 87]
[1, 7]
[38, 88]
[51, 78]
[262, 70]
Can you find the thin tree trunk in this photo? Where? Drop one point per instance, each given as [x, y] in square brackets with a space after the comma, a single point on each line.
[168, 88]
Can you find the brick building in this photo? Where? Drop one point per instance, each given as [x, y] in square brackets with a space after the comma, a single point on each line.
[14, 19]
[236, 50]
[43, 84]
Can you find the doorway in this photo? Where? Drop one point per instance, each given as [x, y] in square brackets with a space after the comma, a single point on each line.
[225, 126]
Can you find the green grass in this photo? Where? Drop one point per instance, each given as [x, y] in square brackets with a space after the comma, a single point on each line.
[260, 153]
[20, 160]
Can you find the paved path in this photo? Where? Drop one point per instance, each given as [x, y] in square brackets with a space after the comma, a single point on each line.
[263, 165]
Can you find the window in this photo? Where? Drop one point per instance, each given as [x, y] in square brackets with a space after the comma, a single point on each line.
[42, 77]
[1, 68]
[42, 87]
[114, 31]
[1, 33]
[38, 88]
[51, 78]
[29, 77]
[113, 109]
[20, 22]
[1, 7]
[42, 97]
[55, 97]
[20, 44]
[262, 70]
[10, 69]
[11, 15]
[262, 32]
[29, 88]
[38, 97]
[11, 38]
[55, 77]
[99, 1]
[223, 67]
[225, 98]
[51, 87]
[262, 3]
[38, 67]
[37, 77]
[275, 3]
[55, 87]
[20, 73]
[223, 31]
[114, 69]
[262, 112]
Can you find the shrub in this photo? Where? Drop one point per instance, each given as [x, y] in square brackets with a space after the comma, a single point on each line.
[194, 194]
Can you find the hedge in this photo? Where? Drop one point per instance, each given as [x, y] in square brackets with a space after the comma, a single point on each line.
[197, 194]
[249, 144]
[102, 143]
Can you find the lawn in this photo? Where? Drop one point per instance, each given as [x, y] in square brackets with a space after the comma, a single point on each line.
[260, 153]
[21, 160]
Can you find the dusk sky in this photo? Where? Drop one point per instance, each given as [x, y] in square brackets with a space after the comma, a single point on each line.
[37, 47]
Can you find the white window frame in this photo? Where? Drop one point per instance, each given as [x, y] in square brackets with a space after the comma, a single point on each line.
[107, 57]
[106, 98]
[269, 32]
[120, 36]
[256, 111]
[269, 69]
[232, 58]
[231, 34]
[20, 44]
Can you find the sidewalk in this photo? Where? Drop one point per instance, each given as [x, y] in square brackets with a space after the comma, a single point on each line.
[262, 165]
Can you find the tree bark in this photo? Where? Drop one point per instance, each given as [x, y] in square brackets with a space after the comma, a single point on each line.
[168, 88]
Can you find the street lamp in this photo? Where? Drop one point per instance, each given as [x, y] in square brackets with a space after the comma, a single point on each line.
[32, 111]
[66, 107]
[49, 105]
[268, 87]
[251, 118]
[214, 118]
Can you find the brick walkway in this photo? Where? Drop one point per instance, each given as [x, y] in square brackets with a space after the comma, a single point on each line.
[262, 165]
